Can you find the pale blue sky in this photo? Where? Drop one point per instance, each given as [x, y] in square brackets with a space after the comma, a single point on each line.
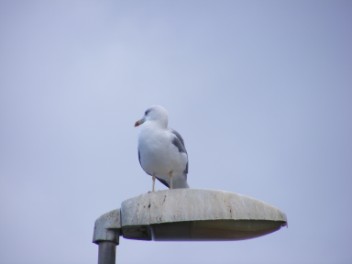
[260, 90]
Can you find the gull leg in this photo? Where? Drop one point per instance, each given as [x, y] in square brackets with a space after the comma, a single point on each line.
[171, 180]
[153, 188]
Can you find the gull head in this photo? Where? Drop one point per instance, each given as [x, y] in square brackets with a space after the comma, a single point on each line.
[156, 114]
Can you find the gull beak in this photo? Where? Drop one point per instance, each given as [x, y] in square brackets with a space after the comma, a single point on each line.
[139, 122]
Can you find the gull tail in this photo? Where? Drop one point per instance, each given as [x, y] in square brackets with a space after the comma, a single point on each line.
[179, 182]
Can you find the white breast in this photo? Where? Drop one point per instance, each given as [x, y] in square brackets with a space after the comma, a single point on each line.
[158, 155]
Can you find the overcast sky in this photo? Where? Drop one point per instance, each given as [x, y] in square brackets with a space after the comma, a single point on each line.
[261, 91]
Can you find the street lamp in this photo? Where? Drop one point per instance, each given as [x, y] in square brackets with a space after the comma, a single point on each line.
[185, 215]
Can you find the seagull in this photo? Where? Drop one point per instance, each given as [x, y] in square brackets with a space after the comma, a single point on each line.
[161, 150]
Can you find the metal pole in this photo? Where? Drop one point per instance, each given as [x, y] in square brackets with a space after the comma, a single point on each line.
[107, 252]
[107, 231]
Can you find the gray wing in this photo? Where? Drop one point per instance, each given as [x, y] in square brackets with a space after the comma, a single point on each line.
[139, 158]
[178, 141]
[164, 182]
[180, 144]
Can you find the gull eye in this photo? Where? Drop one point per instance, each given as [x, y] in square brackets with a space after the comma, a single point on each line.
[147, 112]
